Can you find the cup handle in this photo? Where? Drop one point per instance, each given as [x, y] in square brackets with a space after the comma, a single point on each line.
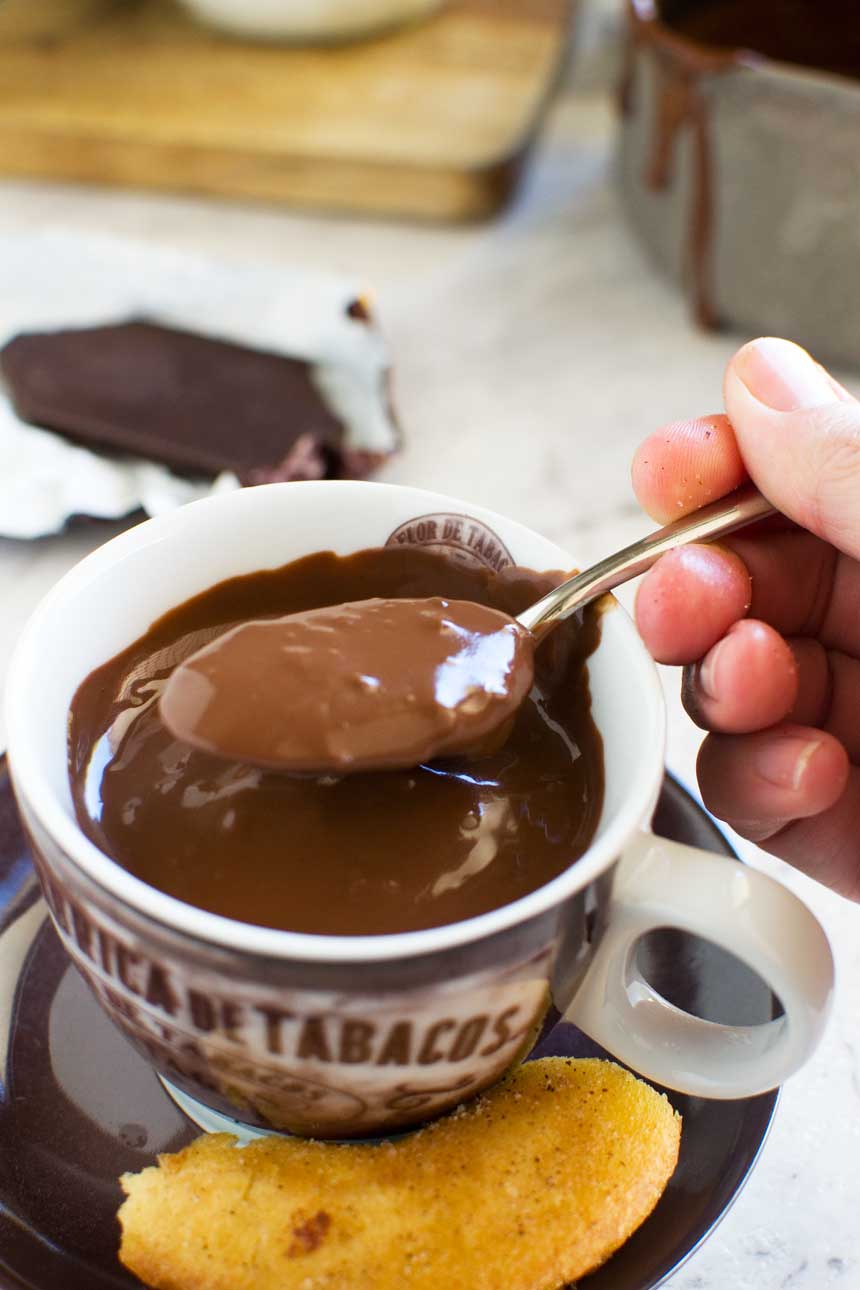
[659, 883]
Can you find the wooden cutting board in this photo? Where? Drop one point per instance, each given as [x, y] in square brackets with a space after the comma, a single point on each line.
[433, 120]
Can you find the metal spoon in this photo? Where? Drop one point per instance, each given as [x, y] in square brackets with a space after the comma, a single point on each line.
[715, 520]
[380, 684]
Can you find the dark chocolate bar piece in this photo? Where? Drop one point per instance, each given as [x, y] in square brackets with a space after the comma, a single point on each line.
[197, 405]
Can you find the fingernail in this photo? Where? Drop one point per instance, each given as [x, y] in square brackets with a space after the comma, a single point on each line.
[708, 677]
[783, 761]
[783, 376]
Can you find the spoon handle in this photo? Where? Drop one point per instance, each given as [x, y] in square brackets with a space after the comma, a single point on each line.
[724, 516]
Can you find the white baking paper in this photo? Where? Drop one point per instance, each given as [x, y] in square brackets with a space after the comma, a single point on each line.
[52, 279]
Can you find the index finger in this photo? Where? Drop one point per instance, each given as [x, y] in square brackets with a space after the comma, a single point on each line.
[685, 465]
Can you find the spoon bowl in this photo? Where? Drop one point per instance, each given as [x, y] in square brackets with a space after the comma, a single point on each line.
[389, 684]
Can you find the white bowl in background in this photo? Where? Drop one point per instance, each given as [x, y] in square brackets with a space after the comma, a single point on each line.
[308, 20]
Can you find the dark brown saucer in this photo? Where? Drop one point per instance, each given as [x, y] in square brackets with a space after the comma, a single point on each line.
[78, 1106]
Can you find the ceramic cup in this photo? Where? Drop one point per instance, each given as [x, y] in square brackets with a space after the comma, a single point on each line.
[354, 1036]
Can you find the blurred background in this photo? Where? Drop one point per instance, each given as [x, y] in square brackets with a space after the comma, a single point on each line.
[564, 219]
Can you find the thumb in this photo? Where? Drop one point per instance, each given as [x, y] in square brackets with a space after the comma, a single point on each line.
[798, 432]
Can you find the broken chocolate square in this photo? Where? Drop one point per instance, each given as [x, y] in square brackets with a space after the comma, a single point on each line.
[196, 404]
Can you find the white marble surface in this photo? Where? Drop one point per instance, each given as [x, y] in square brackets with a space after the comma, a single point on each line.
[531, 355]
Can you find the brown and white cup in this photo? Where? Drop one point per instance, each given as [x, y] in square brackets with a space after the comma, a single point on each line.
[355, 1036]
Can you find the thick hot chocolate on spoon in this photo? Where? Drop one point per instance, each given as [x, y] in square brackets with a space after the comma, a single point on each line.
[382, 684]
[374, 684]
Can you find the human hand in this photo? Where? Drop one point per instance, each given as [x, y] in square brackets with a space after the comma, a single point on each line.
[767, 625]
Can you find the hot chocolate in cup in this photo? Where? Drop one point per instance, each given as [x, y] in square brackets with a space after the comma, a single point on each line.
[353, 1036]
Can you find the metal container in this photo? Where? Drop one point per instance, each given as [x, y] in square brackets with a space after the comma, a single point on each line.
[742, 176]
